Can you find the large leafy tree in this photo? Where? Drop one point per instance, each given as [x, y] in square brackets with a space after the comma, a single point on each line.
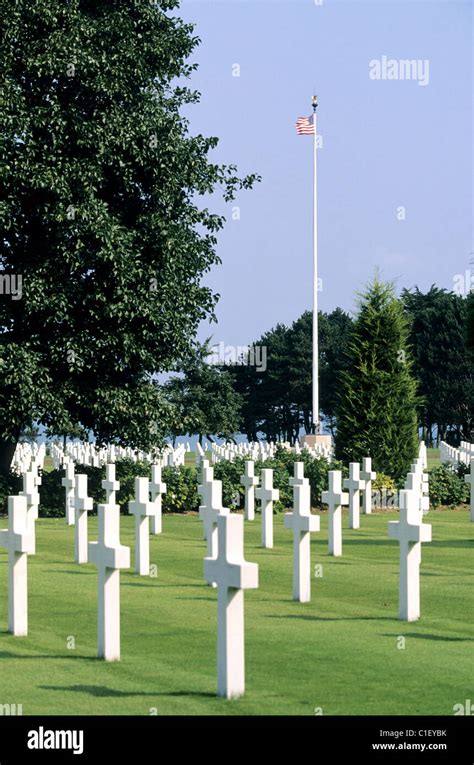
[442, 362]
[377, 409]
[99, 214]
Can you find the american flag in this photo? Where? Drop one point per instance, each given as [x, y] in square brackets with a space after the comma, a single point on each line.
[305, 125]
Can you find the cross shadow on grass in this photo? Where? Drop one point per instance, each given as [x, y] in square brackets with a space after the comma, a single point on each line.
[369, 542]
[80, 572]
[104, 692]
[148, 583]
[308, 618]
[28, 657]
[464, 543]
[197, 597]
[424, 636]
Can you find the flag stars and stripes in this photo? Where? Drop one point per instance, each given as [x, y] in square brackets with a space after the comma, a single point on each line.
[305, 125]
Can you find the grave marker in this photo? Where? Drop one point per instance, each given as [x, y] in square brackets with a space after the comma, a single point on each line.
[354, 484]
[142, 509]
[249, 480]
[82, 505]
[335, 498]
[233, 574]
[18, 540]
[303, 523]
[267, 496]
[110, 557]
[410, 532]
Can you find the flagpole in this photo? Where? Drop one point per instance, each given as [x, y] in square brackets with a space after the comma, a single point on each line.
[315, 369]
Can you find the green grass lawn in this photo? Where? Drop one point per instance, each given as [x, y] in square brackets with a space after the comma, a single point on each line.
[433, 458]
[338, 653]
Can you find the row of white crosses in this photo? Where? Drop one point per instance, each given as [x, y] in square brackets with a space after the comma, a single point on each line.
[465, 454]
[456, 455]
[210, 491]
[418, 482]
[20, 538]
[142, 507]
[226, 569]
[110, 557]
[469, 478]
[358, 481]
[260, 450]
[27, 456]
[302, 523]
[335, 498]
[85, 453]
[108, 554]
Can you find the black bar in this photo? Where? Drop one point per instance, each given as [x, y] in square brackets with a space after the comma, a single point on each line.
[325, 739]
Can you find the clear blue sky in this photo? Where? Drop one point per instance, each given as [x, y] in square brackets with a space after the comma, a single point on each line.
[385, 144]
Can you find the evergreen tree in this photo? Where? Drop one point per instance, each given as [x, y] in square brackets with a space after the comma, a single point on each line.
[377, 407]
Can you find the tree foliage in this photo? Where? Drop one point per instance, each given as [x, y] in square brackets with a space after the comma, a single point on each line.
[443, 365]
[203, 399]
[377, 409]
[100, 181]
[278, 400]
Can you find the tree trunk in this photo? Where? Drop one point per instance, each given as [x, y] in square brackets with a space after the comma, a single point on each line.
[7, 450]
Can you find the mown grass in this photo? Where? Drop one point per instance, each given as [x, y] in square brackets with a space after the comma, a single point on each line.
[338, 654]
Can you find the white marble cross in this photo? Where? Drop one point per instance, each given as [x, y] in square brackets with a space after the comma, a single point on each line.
[110, 484]
[210, 512]
[469, 478]
[249, 480]
[334, 498]
[82, 505]
[416, 481]
[109, 556]
[36, 467]
[410, 532]
[205, 491]
[267, 496]
[302, 523]
[367, 475]
[233, 574]
[18, 540]
[32, 503]
[142, 509]
[354, 484]
[157, 488]
[298, 479]
[69, 484]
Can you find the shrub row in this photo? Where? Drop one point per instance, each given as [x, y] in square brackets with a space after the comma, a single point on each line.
[447, 487]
